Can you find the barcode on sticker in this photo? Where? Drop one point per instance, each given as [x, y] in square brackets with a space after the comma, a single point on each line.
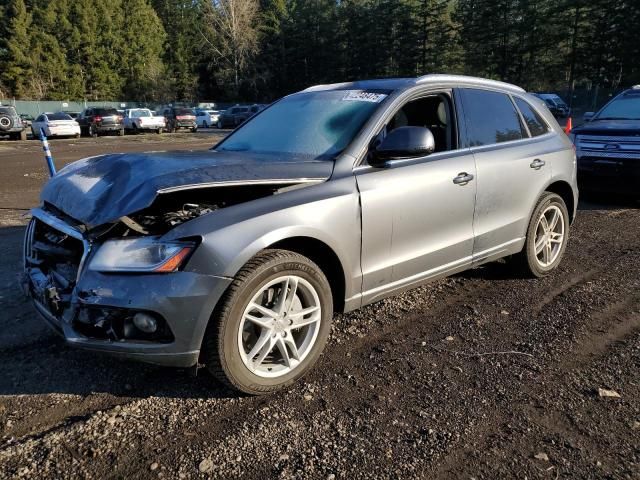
[362, 96]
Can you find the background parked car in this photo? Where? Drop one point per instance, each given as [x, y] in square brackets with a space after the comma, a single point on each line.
[57, 124]
[94, 120]
[26, 120]
[207, 118]
[233, 117]
[141, 119]
[180, 117]
[11, 124]
[73, 115]
[556, 105]
[608, 147]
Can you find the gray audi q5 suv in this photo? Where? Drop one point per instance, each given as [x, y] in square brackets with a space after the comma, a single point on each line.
[327, 200]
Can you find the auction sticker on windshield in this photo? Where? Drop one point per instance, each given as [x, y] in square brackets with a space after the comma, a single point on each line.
[363, 96]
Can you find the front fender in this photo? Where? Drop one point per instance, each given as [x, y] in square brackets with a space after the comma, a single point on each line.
[328, 212]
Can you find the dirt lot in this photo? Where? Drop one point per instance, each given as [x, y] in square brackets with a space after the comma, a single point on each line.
[484, 375]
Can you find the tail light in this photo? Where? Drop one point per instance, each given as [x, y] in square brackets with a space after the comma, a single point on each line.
[97, 118]
[119, 118]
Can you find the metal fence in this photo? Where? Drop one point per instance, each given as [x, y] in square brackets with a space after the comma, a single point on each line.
[35, 107]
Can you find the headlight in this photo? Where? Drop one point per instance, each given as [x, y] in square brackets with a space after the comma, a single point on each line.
[147, 254]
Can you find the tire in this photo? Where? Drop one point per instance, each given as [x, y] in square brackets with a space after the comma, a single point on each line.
[22, 135]
[92, 131]
[205, 125]
[5, 123]
[121, 132]
[159, 131]
[220, 125]
[542, 263]
[224, 338]
[194, 129]
[77, 135]
[134, 129]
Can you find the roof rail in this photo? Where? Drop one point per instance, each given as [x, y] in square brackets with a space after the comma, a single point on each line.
[437, 77]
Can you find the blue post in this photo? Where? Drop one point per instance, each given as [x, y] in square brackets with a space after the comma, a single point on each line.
[47, 153]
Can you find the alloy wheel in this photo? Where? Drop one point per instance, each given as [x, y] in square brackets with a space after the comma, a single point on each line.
[550, 232]
[279, 326]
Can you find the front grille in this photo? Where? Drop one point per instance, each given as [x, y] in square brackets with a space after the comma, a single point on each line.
[608, 146]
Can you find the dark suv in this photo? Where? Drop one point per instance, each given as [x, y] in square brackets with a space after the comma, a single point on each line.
[11, 124]
[608, 146]
[180, 117]
[94, 121]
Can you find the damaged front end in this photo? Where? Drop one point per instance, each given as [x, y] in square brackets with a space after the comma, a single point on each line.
[56, 251]
[120, 287]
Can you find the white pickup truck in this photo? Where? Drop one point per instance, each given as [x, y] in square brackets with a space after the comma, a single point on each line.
[141, 119]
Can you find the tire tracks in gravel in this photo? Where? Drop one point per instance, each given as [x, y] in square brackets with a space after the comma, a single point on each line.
[606, 325]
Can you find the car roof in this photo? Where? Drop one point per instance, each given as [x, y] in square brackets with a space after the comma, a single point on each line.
[403, 83]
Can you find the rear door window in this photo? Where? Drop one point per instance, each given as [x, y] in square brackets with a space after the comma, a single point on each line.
[534, 121]
[491, 117]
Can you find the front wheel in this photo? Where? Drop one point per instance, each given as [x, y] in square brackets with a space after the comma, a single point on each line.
[271, 325]
[547, 236]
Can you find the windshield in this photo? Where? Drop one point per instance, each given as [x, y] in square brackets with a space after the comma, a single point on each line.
[315, 124]
[58, 116]
[6, 110]
[622, 108]
[140, 113]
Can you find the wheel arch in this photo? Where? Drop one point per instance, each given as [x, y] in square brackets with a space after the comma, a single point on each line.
[325, 257]
[564, 189]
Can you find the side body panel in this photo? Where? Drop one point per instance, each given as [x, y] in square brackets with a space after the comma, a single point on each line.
[416, 222]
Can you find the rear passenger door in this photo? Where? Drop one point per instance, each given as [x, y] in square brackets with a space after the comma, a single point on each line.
[512, 169]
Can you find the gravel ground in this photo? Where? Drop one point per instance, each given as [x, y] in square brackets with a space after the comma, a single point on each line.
[484, 375]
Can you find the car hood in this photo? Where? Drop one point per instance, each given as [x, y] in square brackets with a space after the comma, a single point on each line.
[102, 189]
[609, 128]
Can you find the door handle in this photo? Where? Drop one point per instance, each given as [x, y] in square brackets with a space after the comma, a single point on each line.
[537, 164]
[463, 178]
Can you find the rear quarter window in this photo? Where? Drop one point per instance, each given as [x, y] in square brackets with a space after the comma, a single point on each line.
[534, 121]
[491, 117]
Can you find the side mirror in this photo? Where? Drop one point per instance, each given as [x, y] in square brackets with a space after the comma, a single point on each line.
[588, 116]
[404, 142]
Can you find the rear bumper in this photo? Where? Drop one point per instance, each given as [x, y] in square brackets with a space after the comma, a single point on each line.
[108, 128]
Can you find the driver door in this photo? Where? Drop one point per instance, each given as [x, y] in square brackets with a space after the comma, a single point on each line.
[417, 216]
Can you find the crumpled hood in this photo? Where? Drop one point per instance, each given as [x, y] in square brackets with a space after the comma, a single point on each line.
[99, 190]
[609, 128]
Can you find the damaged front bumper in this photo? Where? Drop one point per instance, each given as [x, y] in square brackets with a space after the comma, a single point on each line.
[95, 310]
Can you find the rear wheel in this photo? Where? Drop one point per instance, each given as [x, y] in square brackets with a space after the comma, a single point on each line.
[121, 132]
[547, 236]
[220, 124]
[271, 325]
[93, 132]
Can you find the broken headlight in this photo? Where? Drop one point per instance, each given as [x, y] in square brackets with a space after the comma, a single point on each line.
[146, 254]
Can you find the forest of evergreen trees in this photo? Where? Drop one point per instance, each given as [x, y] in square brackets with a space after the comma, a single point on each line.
[258, 50]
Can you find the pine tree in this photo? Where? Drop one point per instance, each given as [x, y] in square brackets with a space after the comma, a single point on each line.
[18, 66]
